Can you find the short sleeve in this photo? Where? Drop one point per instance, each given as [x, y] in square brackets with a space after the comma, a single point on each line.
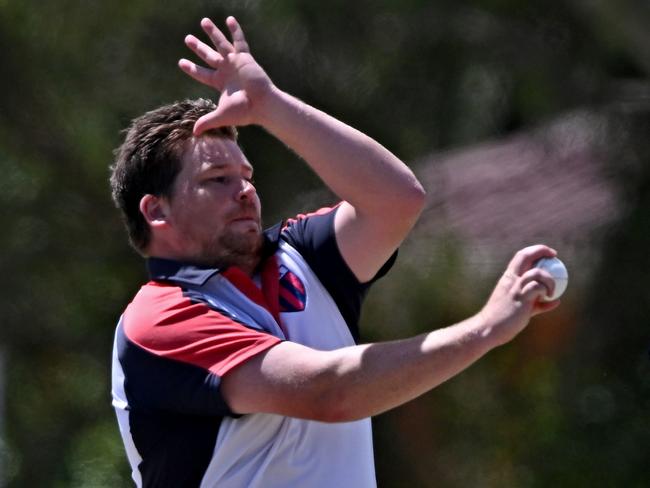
[175, 350]
[312, 235]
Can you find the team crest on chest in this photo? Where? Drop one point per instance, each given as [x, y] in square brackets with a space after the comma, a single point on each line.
[292, 294]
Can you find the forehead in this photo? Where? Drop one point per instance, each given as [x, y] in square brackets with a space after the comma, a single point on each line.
[209, 152]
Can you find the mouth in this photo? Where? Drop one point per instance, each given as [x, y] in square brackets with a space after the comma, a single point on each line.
[246, 220]
[246, 214]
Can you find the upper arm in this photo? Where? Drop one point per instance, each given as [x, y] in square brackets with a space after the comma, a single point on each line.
[367, 241]
[288, 379]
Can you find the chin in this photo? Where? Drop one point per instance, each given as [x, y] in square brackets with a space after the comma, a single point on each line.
[246, 243]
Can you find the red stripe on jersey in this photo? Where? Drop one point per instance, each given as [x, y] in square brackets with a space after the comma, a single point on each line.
[267, 297]
[320, 211]
[291, 299]
[294, 281]
[271, 287]
[163, 321]
[243, 283]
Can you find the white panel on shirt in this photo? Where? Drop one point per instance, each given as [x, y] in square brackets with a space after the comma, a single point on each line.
[122, 411]
[272, 451]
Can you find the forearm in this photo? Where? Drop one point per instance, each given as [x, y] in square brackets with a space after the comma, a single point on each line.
[378, 377]
[343, 157]
[360, 381]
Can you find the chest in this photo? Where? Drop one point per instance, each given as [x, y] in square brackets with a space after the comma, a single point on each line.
[295, 306]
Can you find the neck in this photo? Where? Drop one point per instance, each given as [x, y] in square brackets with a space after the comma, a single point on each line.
[247, 264]
[222, 257]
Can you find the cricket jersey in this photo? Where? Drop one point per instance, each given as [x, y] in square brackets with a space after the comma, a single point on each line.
[190, 325]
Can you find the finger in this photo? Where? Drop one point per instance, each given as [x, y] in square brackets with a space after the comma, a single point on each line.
[203, 51]
[199, 73]
[524, 259]
[540, 276]
[210, 121]
[221, 43]
[533, 292]
[238, 39]
[542, 307]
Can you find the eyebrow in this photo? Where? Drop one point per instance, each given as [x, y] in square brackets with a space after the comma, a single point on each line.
[211, 166]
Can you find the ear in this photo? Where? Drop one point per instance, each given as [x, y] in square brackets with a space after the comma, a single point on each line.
[155, 210]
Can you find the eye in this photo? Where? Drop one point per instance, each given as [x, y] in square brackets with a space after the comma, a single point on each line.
[219, 179]
[251, 180]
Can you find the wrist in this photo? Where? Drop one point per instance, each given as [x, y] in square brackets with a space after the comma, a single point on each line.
[266, 104]
[485, 327]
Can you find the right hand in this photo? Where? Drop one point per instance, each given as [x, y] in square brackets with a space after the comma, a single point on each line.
[517, 296]
[232, 71]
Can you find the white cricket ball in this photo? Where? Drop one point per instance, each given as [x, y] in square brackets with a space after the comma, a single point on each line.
[559, 273]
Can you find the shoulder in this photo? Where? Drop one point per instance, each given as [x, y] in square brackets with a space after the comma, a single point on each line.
[158, 310]
[311, 231]
[171, 322]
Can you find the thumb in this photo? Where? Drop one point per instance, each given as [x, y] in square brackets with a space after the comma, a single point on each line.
[216, 118]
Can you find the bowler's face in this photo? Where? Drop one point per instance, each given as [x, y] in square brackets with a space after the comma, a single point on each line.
[214, 206]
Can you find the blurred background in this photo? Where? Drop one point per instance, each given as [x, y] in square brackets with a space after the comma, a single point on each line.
[526, 121]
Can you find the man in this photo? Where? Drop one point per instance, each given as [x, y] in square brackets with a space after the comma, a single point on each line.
[236, 365]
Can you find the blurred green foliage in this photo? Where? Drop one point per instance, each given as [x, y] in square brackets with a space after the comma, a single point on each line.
[419, 76]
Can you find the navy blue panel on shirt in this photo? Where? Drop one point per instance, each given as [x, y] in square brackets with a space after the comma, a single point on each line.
[161, 269]
[176, 449]
[157, 383]
[174, 431]
[314, 238]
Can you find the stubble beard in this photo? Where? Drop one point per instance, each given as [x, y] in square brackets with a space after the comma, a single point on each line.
[241, 249]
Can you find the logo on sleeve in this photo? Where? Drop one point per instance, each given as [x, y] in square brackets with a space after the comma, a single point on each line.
[292, 294]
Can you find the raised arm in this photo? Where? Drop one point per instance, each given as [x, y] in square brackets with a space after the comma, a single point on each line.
[360, 381]
[382, 198]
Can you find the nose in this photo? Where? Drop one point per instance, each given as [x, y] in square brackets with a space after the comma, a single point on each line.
[246, 191]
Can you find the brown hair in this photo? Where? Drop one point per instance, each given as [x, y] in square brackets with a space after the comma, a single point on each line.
[149, 160]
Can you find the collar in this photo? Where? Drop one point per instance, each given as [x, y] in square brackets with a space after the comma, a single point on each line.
[161, 269]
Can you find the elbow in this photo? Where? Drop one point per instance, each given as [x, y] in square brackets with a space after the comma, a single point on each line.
[411, 202]
[339, 399]
[334, 392]
[417, 197]
[337, 406]
[410, 194]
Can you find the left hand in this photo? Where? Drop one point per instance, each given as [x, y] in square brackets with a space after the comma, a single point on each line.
[517, 296]
[231, 70]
